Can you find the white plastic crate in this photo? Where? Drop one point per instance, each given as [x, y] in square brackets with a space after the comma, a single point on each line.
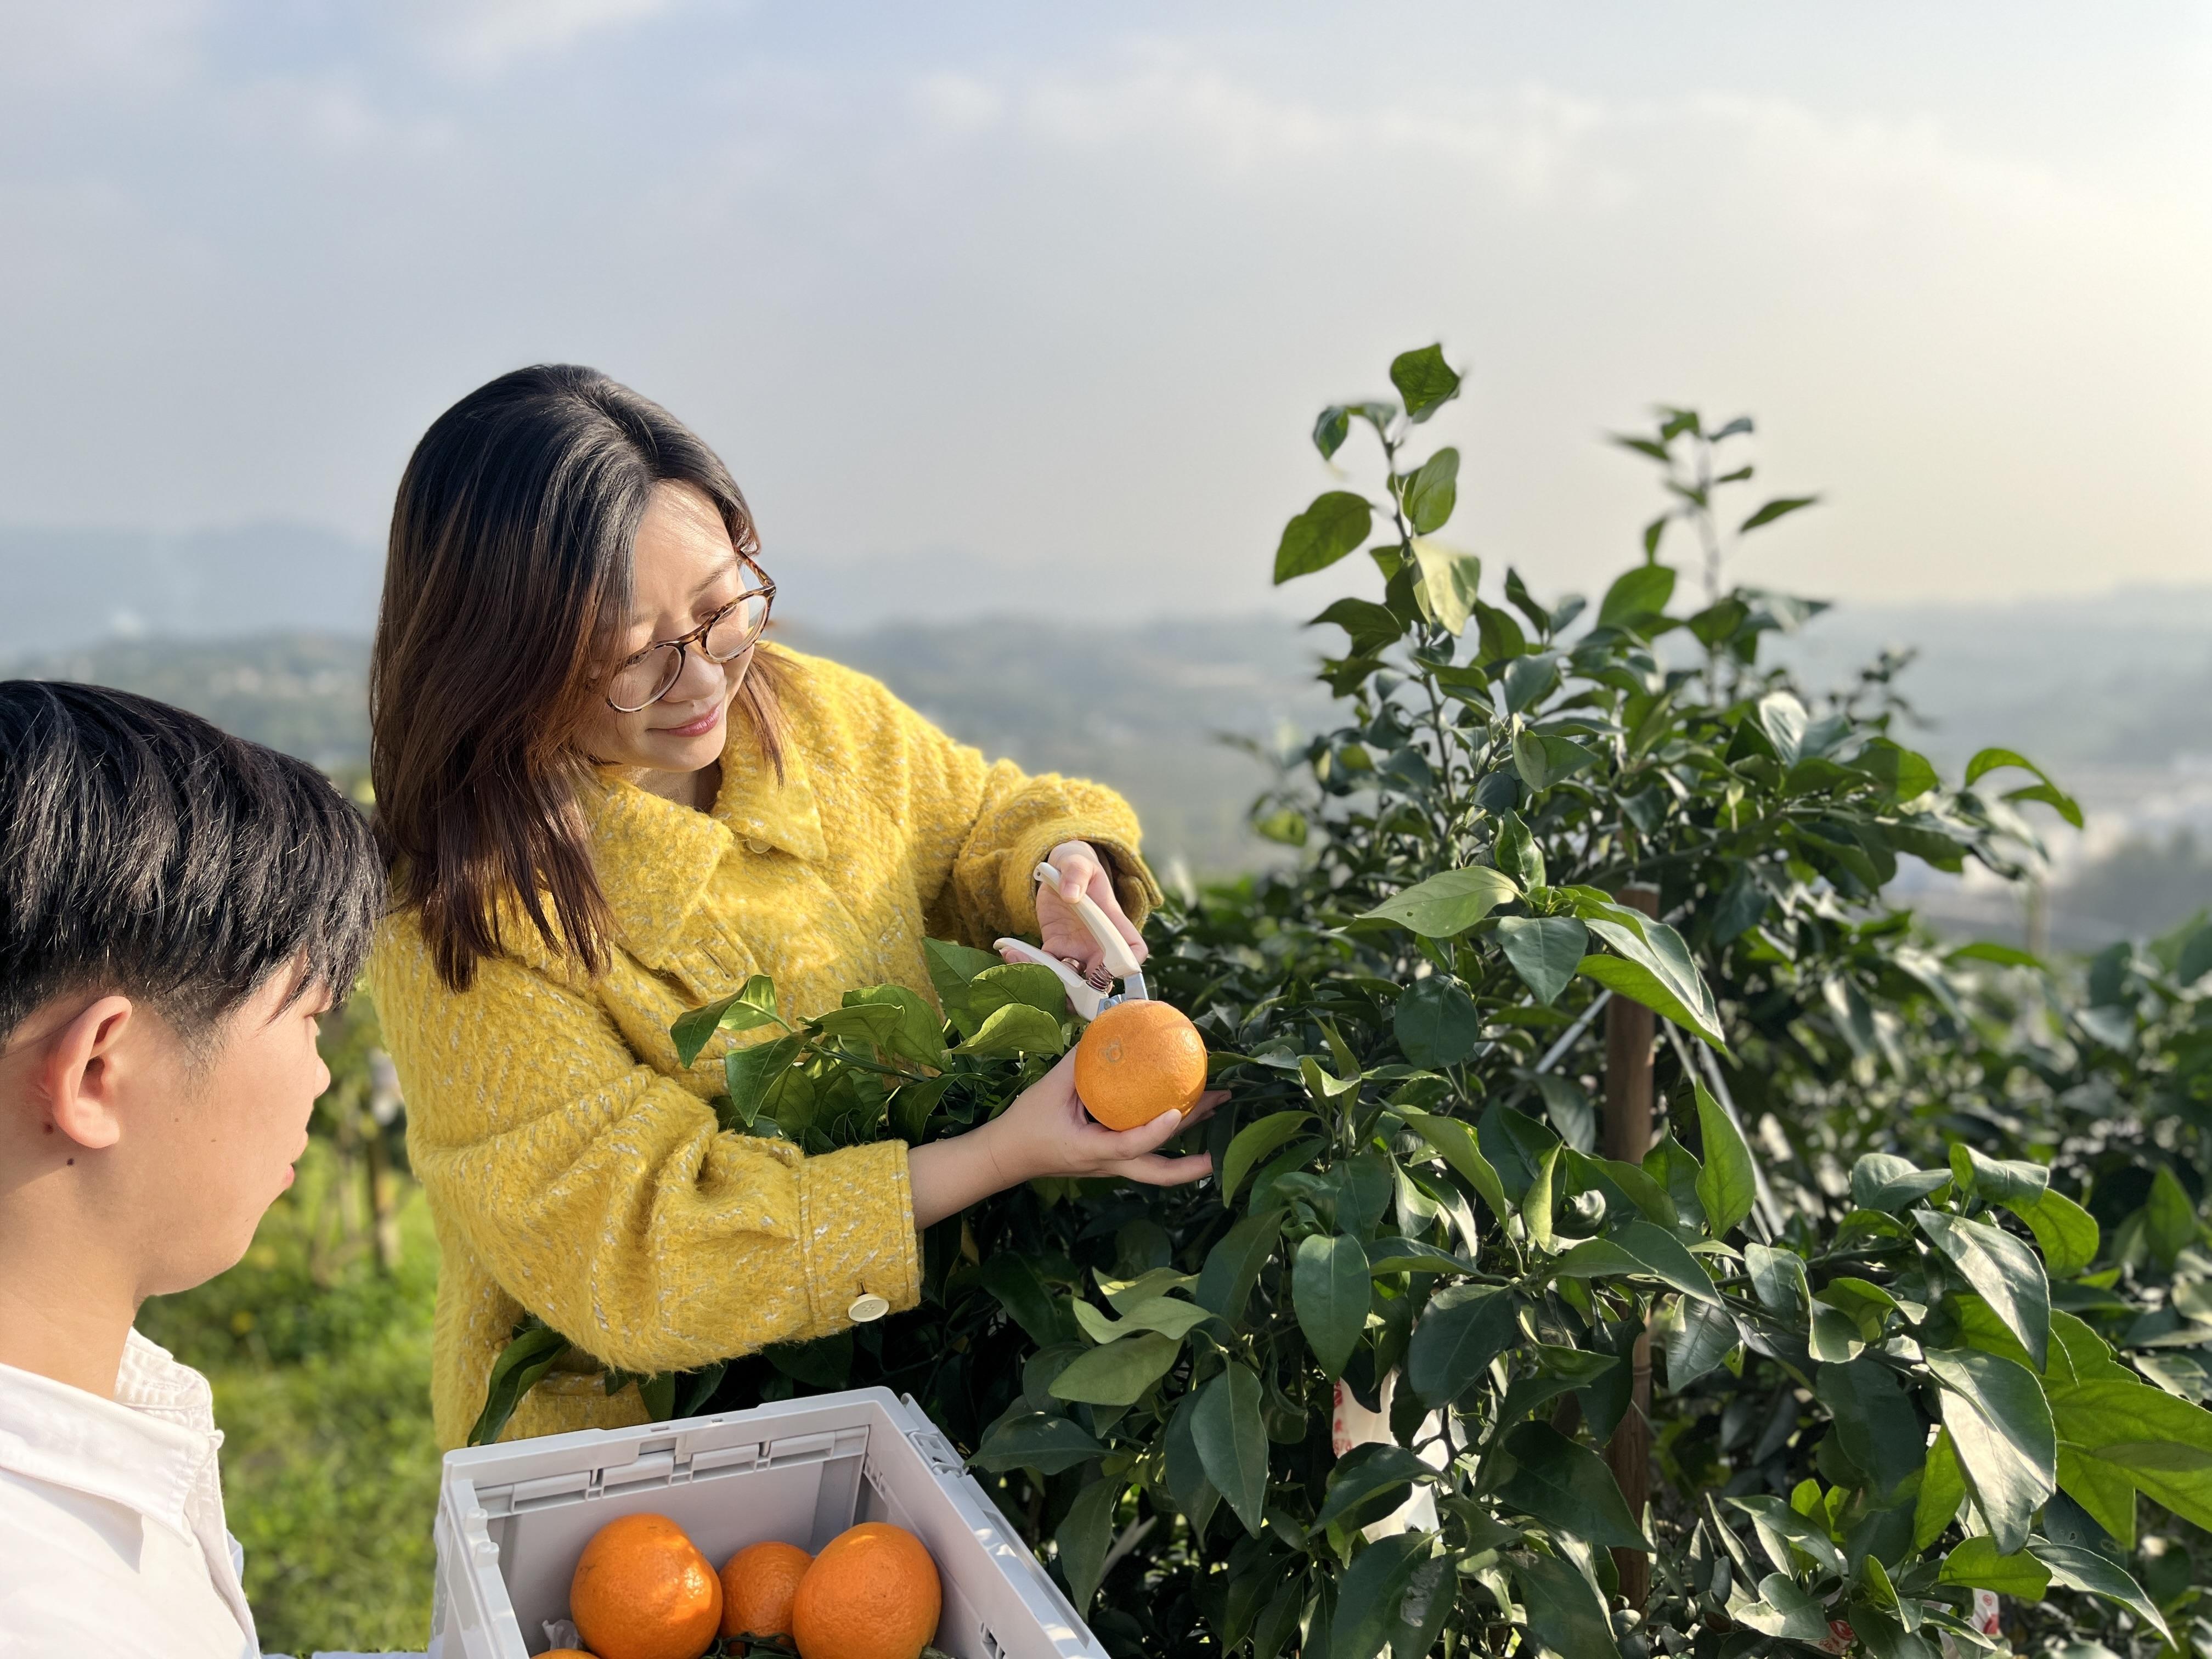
[513, 1519]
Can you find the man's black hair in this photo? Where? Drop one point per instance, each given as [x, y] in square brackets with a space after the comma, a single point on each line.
[146, 853]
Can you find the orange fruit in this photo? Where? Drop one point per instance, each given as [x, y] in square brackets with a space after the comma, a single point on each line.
[564, 1653]
[643, 1591]
[757, 1584]
[872, 1594]
[1139, 1060]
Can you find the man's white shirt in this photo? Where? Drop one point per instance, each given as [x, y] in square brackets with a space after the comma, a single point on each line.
[111, 1535]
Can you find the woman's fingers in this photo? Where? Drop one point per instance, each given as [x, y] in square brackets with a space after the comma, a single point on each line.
[1117, 1145]
[1154, 1171]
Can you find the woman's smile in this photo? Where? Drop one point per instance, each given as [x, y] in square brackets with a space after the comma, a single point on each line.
[697, 726]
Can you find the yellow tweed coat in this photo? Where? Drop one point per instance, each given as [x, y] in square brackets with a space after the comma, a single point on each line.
[575, 1171]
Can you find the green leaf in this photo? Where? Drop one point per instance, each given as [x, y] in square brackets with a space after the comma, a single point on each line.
[1784, 1610]
[1332, 1292]
[1335, 523]
[1367, 1472]
[2127, 1428]
[1460, 1148]
[1460, 1331]
[951, 966]
[1777, 1279]
[1781, 1528]
[1168, 1316]
[2073, 1567]
[748, 1074]
[1232, 1267]
[1449, 904]
[1978, 1562]
[1542, 759]
[1084, 1537]
[1567, 1487]
[1331, 429]
[1436, 1023]
[916, 1033]
[2009, 1182]
[1993, 760]
[2169, 1218]
[1423, 1607]
[1879, 1431]
[1638, 593]
[1544, 950]
[1515, 851]
[1233, 1442]
[1775, 509]
[1654, 967]
[1430, 492]
[1016, 1028]
[1884, 1181]
[1043, 1441]
[2066, 1233]
[1445, 584]
[1029, 982]
[528, 1355]
[1194, 1494]
[1698, 1337]
[1424, 380]
[1566, 1616]
[1014, 1282]
[1119, 1373]
[2003, 1269]
[1639, 1250]
[1255, 1142]
[1728, 1186]
[2001, 1428]
[754, 1004]
[1369, 627]
[1368, 1594]
[1943, 1489]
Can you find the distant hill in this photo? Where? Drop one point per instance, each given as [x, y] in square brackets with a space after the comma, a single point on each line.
[66, 588]
[263, 630]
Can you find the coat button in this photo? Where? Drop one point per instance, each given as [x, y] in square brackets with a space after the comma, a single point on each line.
[753, 846]
[867, 1307]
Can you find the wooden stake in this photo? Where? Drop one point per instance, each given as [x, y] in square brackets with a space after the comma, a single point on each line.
[1630, 1033]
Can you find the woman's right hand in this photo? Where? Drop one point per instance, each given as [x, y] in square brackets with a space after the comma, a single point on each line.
[1046, 1132]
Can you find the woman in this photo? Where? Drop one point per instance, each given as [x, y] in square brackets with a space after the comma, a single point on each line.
[604, 801]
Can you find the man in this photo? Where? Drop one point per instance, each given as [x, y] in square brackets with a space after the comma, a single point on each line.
[177, 906]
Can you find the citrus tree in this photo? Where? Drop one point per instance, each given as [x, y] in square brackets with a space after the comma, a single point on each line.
[1359, 1392]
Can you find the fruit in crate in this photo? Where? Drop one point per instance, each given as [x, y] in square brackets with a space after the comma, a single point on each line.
[758, 1584]
[643, 1591]
[1138, 1060]
[872, 1594]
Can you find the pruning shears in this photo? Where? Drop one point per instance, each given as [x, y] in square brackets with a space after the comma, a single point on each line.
[1090, 996]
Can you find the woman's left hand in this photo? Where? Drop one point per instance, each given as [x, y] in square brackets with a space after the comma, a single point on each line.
[1081, 870]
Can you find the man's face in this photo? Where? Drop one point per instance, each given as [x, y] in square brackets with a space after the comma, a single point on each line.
[216, 1149]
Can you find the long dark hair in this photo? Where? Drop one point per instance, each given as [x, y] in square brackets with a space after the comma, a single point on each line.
[509, 573]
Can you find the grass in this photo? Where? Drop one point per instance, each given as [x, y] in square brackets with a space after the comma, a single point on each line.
[321, 1367]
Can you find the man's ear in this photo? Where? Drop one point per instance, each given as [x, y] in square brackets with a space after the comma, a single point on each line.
[78, 1074]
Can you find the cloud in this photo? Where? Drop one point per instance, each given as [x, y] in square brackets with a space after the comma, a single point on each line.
[483, 37]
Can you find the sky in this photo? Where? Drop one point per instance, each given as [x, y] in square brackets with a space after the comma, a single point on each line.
[1031, 306]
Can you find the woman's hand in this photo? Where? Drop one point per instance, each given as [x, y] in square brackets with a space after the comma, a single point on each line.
[1081, 870]
[1046, 1132]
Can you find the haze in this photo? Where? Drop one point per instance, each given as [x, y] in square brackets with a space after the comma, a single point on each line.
[1032, 306]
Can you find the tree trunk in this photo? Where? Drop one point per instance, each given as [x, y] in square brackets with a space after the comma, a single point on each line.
[1629, 1033]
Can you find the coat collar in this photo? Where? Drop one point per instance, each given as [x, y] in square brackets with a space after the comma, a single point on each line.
[654, 858]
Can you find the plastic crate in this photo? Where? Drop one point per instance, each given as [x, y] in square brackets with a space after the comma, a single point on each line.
[511, 1518]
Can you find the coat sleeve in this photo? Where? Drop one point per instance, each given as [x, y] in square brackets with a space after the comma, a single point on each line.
[604, 1198]
[978, 828]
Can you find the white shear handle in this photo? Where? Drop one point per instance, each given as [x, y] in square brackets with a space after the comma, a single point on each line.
[1120, 961]
[1082, 996]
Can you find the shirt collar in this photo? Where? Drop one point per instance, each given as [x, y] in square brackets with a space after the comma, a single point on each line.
[653, 858]
[145, 1448]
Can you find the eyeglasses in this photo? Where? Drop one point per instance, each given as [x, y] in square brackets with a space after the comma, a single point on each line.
[642, 679]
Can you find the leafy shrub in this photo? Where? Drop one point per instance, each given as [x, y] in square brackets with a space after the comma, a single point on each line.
[1887, 1379]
